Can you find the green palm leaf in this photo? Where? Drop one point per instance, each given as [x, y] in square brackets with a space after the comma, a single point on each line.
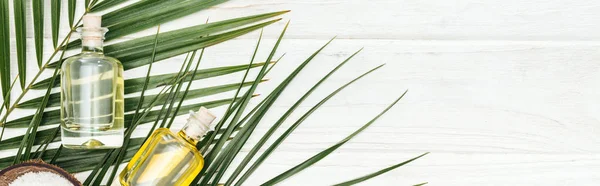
[222, 146]
[192, 32]
[281, 138]
[87, 3]
[6, 101]
[53, 117]
[228, 154]
[136, 58]
[4, 50]
[140, 62]
[29, 137]
[76, 160]
[316, 158]
[372, 175]
[146, 14]
[103, 5]
[127, 21]
[72, 4]
[14, 142]
[20, 36]
[214, 154]
[135, 84]
[38, 29]
[183, 96]
[79, 160]
[277, 124]
[55, 19]
[24, 152]
[117, 155]
[152, 115]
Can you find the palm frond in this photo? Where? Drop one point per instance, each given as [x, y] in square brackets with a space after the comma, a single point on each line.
[185, 93]
[116, 156]
[140, 101]
[277, 124]
[24, 152]
[209, 138]
[29, 137]
[214, 155]
[283, 136]
[235, 146]
[239, 111]
[172, 52]
[129, 131]
[375, 174]
[316, 158]
[221, 147]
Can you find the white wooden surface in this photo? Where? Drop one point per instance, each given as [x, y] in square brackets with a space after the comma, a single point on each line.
[501, 92]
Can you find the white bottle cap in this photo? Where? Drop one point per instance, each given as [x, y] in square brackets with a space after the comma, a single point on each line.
[198, 123]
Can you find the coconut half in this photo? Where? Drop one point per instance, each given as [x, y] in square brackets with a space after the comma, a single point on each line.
[36, 172]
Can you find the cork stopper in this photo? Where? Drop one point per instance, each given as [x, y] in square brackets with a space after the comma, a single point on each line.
[92, 32]
[198, 123]
[92, 21]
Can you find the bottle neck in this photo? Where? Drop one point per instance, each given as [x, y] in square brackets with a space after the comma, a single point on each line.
[92, 49]
[197, 126]
[191, 140]
[92, 39]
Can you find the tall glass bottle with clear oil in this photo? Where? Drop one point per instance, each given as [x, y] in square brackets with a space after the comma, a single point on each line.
[167, 158]
[92, 94]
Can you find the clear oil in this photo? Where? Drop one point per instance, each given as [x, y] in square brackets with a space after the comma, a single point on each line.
[92, 105]
[164, 159]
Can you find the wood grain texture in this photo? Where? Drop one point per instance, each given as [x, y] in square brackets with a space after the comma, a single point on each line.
[500, 92]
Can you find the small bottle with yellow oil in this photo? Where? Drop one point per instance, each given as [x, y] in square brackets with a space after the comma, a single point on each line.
[167, 158]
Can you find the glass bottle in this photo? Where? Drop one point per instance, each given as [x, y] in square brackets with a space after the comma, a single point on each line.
[167, 158]
[92, 93]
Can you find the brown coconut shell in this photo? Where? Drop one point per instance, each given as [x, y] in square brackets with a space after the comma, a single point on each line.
[11, 173]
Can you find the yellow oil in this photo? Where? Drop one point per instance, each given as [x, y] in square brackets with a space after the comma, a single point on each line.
[164, 159]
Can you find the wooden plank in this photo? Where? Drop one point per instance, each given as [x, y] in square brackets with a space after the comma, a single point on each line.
[410, 20]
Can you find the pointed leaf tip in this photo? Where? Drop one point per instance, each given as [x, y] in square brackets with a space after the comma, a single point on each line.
[421, 184]
[380, 172]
